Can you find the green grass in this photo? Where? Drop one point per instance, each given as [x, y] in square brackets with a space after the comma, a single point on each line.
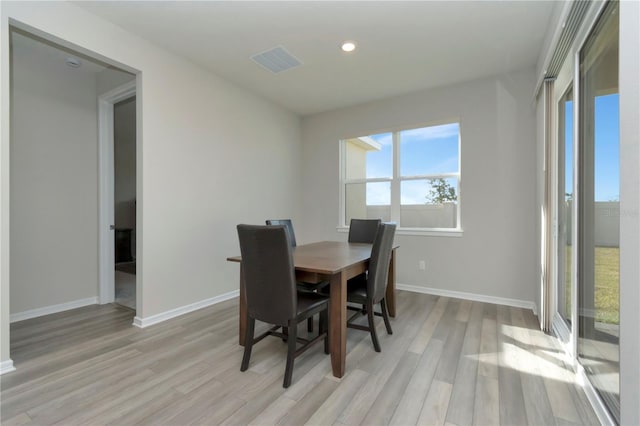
[607, 283]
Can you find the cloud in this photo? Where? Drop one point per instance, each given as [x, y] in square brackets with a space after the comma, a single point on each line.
[414, 194]
[378, 194]
[383, 138]
[433, 132]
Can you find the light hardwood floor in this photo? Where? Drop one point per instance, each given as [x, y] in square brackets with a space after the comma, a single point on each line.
[448, 362]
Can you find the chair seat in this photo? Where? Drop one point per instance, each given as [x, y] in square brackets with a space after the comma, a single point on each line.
[357, 290]
[309, 302]
[311, 287]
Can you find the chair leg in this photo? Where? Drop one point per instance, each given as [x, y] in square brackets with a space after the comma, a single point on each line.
[291, 353]
[285, 331]
[372, 327]
[324, 328]
[385, 316]
[310, 324]
[248, 343]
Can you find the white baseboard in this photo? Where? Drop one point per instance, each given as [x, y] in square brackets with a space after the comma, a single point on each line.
[6, 367]
[163, 316]
[516, 303]
[53, 309]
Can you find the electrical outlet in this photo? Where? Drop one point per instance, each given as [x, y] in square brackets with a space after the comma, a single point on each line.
[422, 265]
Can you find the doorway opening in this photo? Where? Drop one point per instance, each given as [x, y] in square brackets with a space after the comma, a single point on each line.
[56, 185]
[117, 127]
[124, 193]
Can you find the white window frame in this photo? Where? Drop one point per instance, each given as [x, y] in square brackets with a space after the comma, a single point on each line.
[396, 181]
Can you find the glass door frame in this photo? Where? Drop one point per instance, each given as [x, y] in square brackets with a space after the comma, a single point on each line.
[563, 83]
[570, 74]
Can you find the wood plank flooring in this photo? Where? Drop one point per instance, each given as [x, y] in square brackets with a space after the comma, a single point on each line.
[449, 361]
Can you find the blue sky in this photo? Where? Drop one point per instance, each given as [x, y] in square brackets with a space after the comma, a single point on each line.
[429, 150]
[607, 147]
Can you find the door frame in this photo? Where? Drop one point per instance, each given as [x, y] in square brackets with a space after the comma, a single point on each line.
[106, 224]
[564, 81]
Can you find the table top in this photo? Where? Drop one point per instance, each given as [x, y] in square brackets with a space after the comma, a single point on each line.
[326, 257]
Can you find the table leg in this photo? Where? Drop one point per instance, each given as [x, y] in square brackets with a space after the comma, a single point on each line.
[243, 311]
[338, 324]
[390, 295]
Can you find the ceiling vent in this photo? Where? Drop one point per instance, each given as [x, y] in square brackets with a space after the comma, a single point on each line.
[276, 60]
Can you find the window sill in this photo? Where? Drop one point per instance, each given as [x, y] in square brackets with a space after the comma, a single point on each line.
[455, 233]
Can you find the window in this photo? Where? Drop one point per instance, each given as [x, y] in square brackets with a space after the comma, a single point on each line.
[598, 227]
[411, 177]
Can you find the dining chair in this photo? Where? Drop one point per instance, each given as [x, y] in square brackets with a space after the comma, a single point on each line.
[288, 225]
[370, 290]
[363, 230]
[271, 295]
[302, 286]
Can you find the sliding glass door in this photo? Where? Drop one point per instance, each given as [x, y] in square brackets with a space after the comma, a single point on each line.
[564, 210]
[599, 209]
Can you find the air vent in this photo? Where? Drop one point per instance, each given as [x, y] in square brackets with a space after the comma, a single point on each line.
[276, 60]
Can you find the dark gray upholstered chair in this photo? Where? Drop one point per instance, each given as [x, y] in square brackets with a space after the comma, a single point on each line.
[302, 286]
[270, 289]
[363, 230]
[289, 227]
[370, 290]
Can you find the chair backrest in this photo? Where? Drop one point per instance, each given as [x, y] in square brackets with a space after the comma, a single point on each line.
[363, 230]
[269, 273]
[379, 262]
[288, 224]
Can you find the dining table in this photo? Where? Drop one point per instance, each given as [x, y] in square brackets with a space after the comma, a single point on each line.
[335, 262]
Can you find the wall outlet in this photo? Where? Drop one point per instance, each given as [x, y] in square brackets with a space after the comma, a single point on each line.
[422, 265]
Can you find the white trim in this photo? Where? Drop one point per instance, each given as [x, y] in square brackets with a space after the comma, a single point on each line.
[516, 303]
[6, 367]
[53, 309]
[560, 329]
[106, 256]
[172, 313]
[432, 232]
[120, 93]
[596, 402]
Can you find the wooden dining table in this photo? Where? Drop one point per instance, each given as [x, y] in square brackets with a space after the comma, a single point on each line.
[336, 262]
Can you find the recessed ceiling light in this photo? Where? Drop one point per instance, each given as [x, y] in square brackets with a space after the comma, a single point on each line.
[73, 62]
[348, 46]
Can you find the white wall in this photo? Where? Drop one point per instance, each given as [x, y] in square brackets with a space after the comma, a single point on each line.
[54, 206]
[495, 256]
[629, 212]
[210, 155]
[110, 78]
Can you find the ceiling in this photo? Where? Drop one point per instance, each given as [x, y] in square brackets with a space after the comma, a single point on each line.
[402, 46]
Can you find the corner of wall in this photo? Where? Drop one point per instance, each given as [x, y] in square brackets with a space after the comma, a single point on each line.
[4, 187]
